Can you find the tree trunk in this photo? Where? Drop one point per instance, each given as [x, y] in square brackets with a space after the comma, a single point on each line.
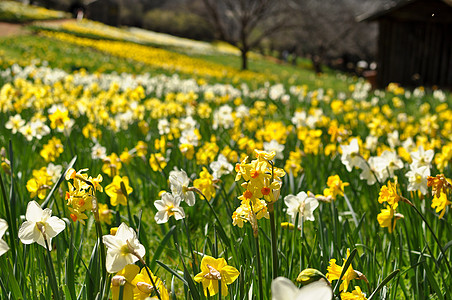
[316, 63]
[244, 58]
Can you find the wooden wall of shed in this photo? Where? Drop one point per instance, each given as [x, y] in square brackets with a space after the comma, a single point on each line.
[415, 53]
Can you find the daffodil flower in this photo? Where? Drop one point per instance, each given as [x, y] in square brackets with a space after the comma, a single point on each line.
[284, 289]
[168, 206]
[123, 248]
[179, 183]
[3, 245]
[40, 225]
[214, 270]
[301, 204]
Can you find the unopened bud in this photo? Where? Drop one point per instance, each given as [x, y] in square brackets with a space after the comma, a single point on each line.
[144, 287]
[118, 280]
[113, 230]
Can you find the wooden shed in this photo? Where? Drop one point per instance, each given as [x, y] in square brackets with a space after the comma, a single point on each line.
[414, 43]
[105, 11]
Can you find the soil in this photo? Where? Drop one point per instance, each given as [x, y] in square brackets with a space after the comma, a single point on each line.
[7, 29]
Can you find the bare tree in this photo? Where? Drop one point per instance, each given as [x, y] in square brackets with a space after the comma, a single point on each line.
[328, 28]
[244, 23]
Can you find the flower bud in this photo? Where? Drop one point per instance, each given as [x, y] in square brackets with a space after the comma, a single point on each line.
[118, 280]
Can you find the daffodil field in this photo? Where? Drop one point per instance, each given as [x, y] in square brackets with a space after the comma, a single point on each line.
[131, 172]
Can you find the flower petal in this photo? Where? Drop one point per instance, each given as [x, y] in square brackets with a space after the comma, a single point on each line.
[283, 289]
[3, 247]
[34, 212]
[28, 232]
[54, 226]
[3, 227]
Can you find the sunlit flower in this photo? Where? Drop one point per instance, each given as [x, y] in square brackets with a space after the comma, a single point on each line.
[440, 203]
[179, 183]
[301, 206]
[334, 272]
[40, 226]
[387, 218]
[144, 286]
[105, 213]
[14, 123]
[388, 193]
[356, 294]
[417, 177]
[167, 207]
[220, 167]
[213, 270]
[284, 289]
[422, 157]
[273, 145]
[335, 187]
[205, 184]
[350, 155]
[122, 248]
[115, 191]
[124, 278]
[3, 245]
[157, 162]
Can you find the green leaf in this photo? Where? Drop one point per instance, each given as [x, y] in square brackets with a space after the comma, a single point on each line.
[344, 269]
[161, 246]
[57, 184]
[383, 283]
[173, 272]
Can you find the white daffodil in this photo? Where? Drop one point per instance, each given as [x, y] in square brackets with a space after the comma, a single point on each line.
[389, 162]
[179, 182]
[274, 146]
[422, 158]
[40, 225]
[417, 177]
[3, 245]
[14, 123]
[350, 155]
[168, 206]
[122, 248]
[284, 289]
[301, 204]
[221, 167]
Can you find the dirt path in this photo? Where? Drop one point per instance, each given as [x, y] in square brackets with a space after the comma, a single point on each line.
[7, 29]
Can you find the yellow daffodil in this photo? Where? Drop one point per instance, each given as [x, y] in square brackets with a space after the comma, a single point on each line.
[116, 193]
[215, 270]
[124, 278]
[334, 271]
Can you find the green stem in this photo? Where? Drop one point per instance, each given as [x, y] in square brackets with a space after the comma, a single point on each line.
[102, 249]
[149, 274]
[51, 271]
[259, 268]
[121, 292]
[271, 212]
[434, 236]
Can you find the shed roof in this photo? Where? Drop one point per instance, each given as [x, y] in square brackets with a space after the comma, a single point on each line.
[414, 10]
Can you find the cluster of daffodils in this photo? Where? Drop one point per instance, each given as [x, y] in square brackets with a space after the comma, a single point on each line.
[262, 184]
[81, 194]
[301, 207]
[169, 205]
[441, 189]
[388, 216]
[315, 285]
[123, 250]
[42, 180]
[156, 57]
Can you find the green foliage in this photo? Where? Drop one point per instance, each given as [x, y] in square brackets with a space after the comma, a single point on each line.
[178, 23]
